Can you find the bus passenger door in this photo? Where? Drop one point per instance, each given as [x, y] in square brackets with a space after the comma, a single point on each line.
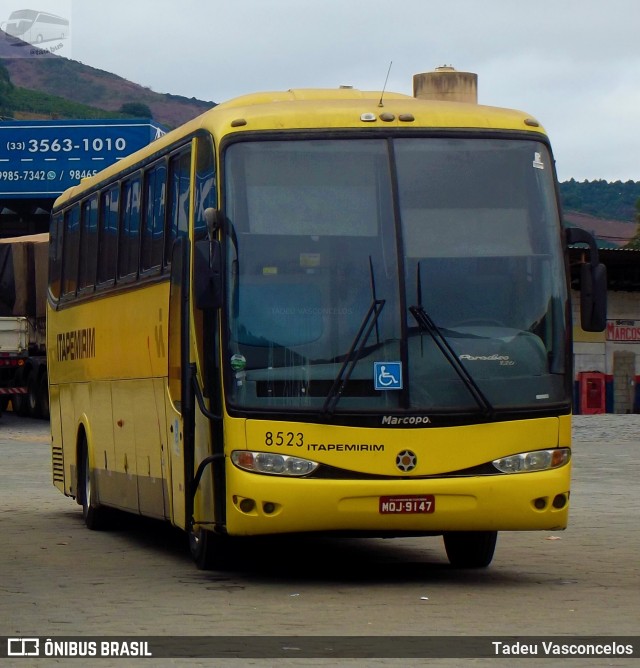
[178, 292]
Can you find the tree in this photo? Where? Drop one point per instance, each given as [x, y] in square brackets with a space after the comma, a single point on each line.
[6, 87]
[136, 109]
[634, 242]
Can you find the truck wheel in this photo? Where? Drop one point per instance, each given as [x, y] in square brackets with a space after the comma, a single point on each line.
[33, 395]
[43, 397]
[19, 401]
[20, 405]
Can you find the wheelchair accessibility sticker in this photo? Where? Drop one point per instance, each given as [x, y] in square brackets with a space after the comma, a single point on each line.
[387, 375]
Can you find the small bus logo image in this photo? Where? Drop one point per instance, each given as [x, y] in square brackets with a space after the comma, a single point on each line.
[23, 647]
[34, 27]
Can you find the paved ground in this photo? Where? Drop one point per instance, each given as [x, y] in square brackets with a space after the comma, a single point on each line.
[59, 579]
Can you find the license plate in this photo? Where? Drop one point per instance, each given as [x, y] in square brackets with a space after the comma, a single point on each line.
[407, 505]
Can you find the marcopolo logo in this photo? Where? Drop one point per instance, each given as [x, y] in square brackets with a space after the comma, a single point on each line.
[32, 33]
[408, 421]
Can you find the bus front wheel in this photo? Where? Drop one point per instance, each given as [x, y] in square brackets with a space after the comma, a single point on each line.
[95, 516]
[470, 549]
[209, 550]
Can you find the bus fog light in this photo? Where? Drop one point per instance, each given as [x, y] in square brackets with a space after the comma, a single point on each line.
[272, 463]
[537, 460]
[247, 505]
[560, 501]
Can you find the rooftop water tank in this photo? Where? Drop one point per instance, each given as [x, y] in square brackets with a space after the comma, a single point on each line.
[447, 84]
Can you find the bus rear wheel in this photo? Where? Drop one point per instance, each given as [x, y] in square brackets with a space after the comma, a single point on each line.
[470, 549]
[95, 516]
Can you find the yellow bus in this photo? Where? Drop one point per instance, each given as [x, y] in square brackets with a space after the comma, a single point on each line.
[317, 311]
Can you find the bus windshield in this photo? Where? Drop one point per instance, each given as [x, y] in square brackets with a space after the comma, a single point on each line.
[335, 245]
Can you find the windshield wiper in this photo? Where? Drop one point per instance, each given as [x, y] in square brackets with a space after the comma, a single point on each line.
[426, 324]
[369, 321]
[351, 358]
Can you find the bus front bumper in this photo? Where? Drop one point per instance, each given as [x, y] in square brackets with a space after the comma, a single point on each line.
[263, 504]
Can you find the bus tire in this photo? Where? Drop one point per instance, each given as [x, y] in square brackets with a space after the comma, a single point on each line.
[209, 550]
[470, 549]
[95, 516]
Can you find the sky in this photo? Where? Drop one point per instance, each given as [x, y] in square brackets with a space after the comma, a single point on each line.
[572, 64]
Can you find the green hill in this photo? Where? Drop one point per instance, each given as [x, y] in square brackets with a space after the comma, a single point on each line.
[23, 103]
[602, 199]
[50, 86]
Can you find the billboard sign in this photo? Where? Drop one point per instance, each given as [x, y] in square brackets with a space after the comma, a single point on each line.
[44, 158]
[623, 331]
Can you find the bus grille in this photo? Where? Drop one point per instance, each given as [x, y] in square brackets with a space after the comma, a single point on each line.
[58, 464]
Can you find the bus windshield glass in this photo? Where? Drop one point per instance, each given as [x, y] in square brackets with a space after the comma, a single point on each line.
[335, 245]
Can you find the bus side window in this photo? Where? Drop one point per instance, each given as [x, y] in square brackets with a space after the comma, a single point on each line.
[155, 188]
[205, 195]
[55, 255]
[108, 236]
[129, 237]
[88, 257]
[179, 199]
[71, 248]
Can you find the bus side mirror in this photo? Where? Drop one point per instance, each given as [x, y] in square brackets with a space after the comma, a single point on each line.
[593, 283]
[207, 274]
[593, 297]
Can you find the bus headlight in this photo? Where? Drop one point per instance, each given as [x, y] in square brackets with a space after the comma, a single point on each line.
[538, 460]
[268, 462]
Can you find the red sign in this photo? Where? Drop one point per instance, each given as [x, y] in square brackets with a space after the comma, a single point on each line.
[624, 331]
